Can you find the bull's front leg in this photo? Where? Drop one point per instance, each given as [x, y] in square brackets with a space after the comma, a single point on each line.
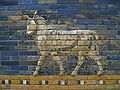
[102, 65]
[39, 64]
[60, 63]
[98, 59]
[79, 63]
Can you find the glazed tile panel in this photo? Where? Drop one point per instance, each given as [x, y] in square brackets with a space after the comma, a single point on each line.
[19, 53]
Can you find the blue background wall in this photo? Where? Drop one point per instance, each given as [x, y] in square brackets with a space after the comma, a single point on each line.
[18, 54]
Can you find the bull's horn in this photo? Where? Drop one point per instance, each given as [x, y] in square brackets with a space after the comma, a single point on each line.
[35, 14]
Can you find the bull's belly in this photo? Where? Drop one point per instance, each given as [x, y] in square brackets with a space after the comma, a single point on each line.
[52, 43]
[75, 51]
[63, 48]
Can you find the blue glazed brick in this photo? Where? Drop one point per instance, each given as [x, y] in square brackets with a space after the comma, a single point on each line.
[22, 7]
[28, 53]
[10, 13]
[45, 73]
[9, 53]
[10, 72]
[112, 22]
[44, 66]
[47, 1]
[3, 7]
[118, 32]
[19, 67]
[3, 18]
[118, 2]
[87, 21]
[8, 43]
[67, 1]
[103, 1]
[68, 11]
[18, 7]
[3, 27]
[103, 6]
[10, 63]
[8, 2]
[17, 27]
[111, 47]
[118, 22]
[113, 58]
[28, 63]
[32, 1]
[13, 7]
[110, 27]
[4, 38]
[4, 68]
[97, 27]
[4, 58]
[108, 11]
[90, 6]
[38, 7]
[74, 6]
[58, 6]
[22, 2]
[18, 58]
[112, 1]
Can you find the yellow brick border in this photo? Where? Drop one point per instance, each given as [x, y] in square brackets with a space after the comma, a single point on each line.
[60, 82]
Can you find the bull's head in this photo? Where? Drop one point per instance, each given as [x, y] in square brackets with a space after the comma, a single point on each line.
[31, 25]
[35, 23]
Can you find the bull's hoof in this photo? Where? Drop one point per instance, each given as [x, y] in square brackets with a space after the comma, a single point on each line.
[100, 73]
[35, 73]
[62, 74]
[74, 74]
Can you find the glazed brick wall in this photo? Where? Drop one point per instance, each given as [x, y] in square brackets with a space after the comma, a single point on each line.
[18, 53]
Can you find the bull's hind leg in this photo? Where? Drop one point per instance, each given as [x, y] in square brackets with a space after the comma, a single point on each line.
[98, 60]
[79, 63]
[39, 64]
[60, 63]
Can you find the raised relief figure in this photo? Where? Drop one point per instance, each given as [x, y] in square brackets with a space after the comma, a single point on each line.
[58, 42]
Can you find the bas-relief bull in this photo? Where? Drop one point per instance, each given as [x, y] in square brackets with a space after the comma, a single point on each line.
[58, 42]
